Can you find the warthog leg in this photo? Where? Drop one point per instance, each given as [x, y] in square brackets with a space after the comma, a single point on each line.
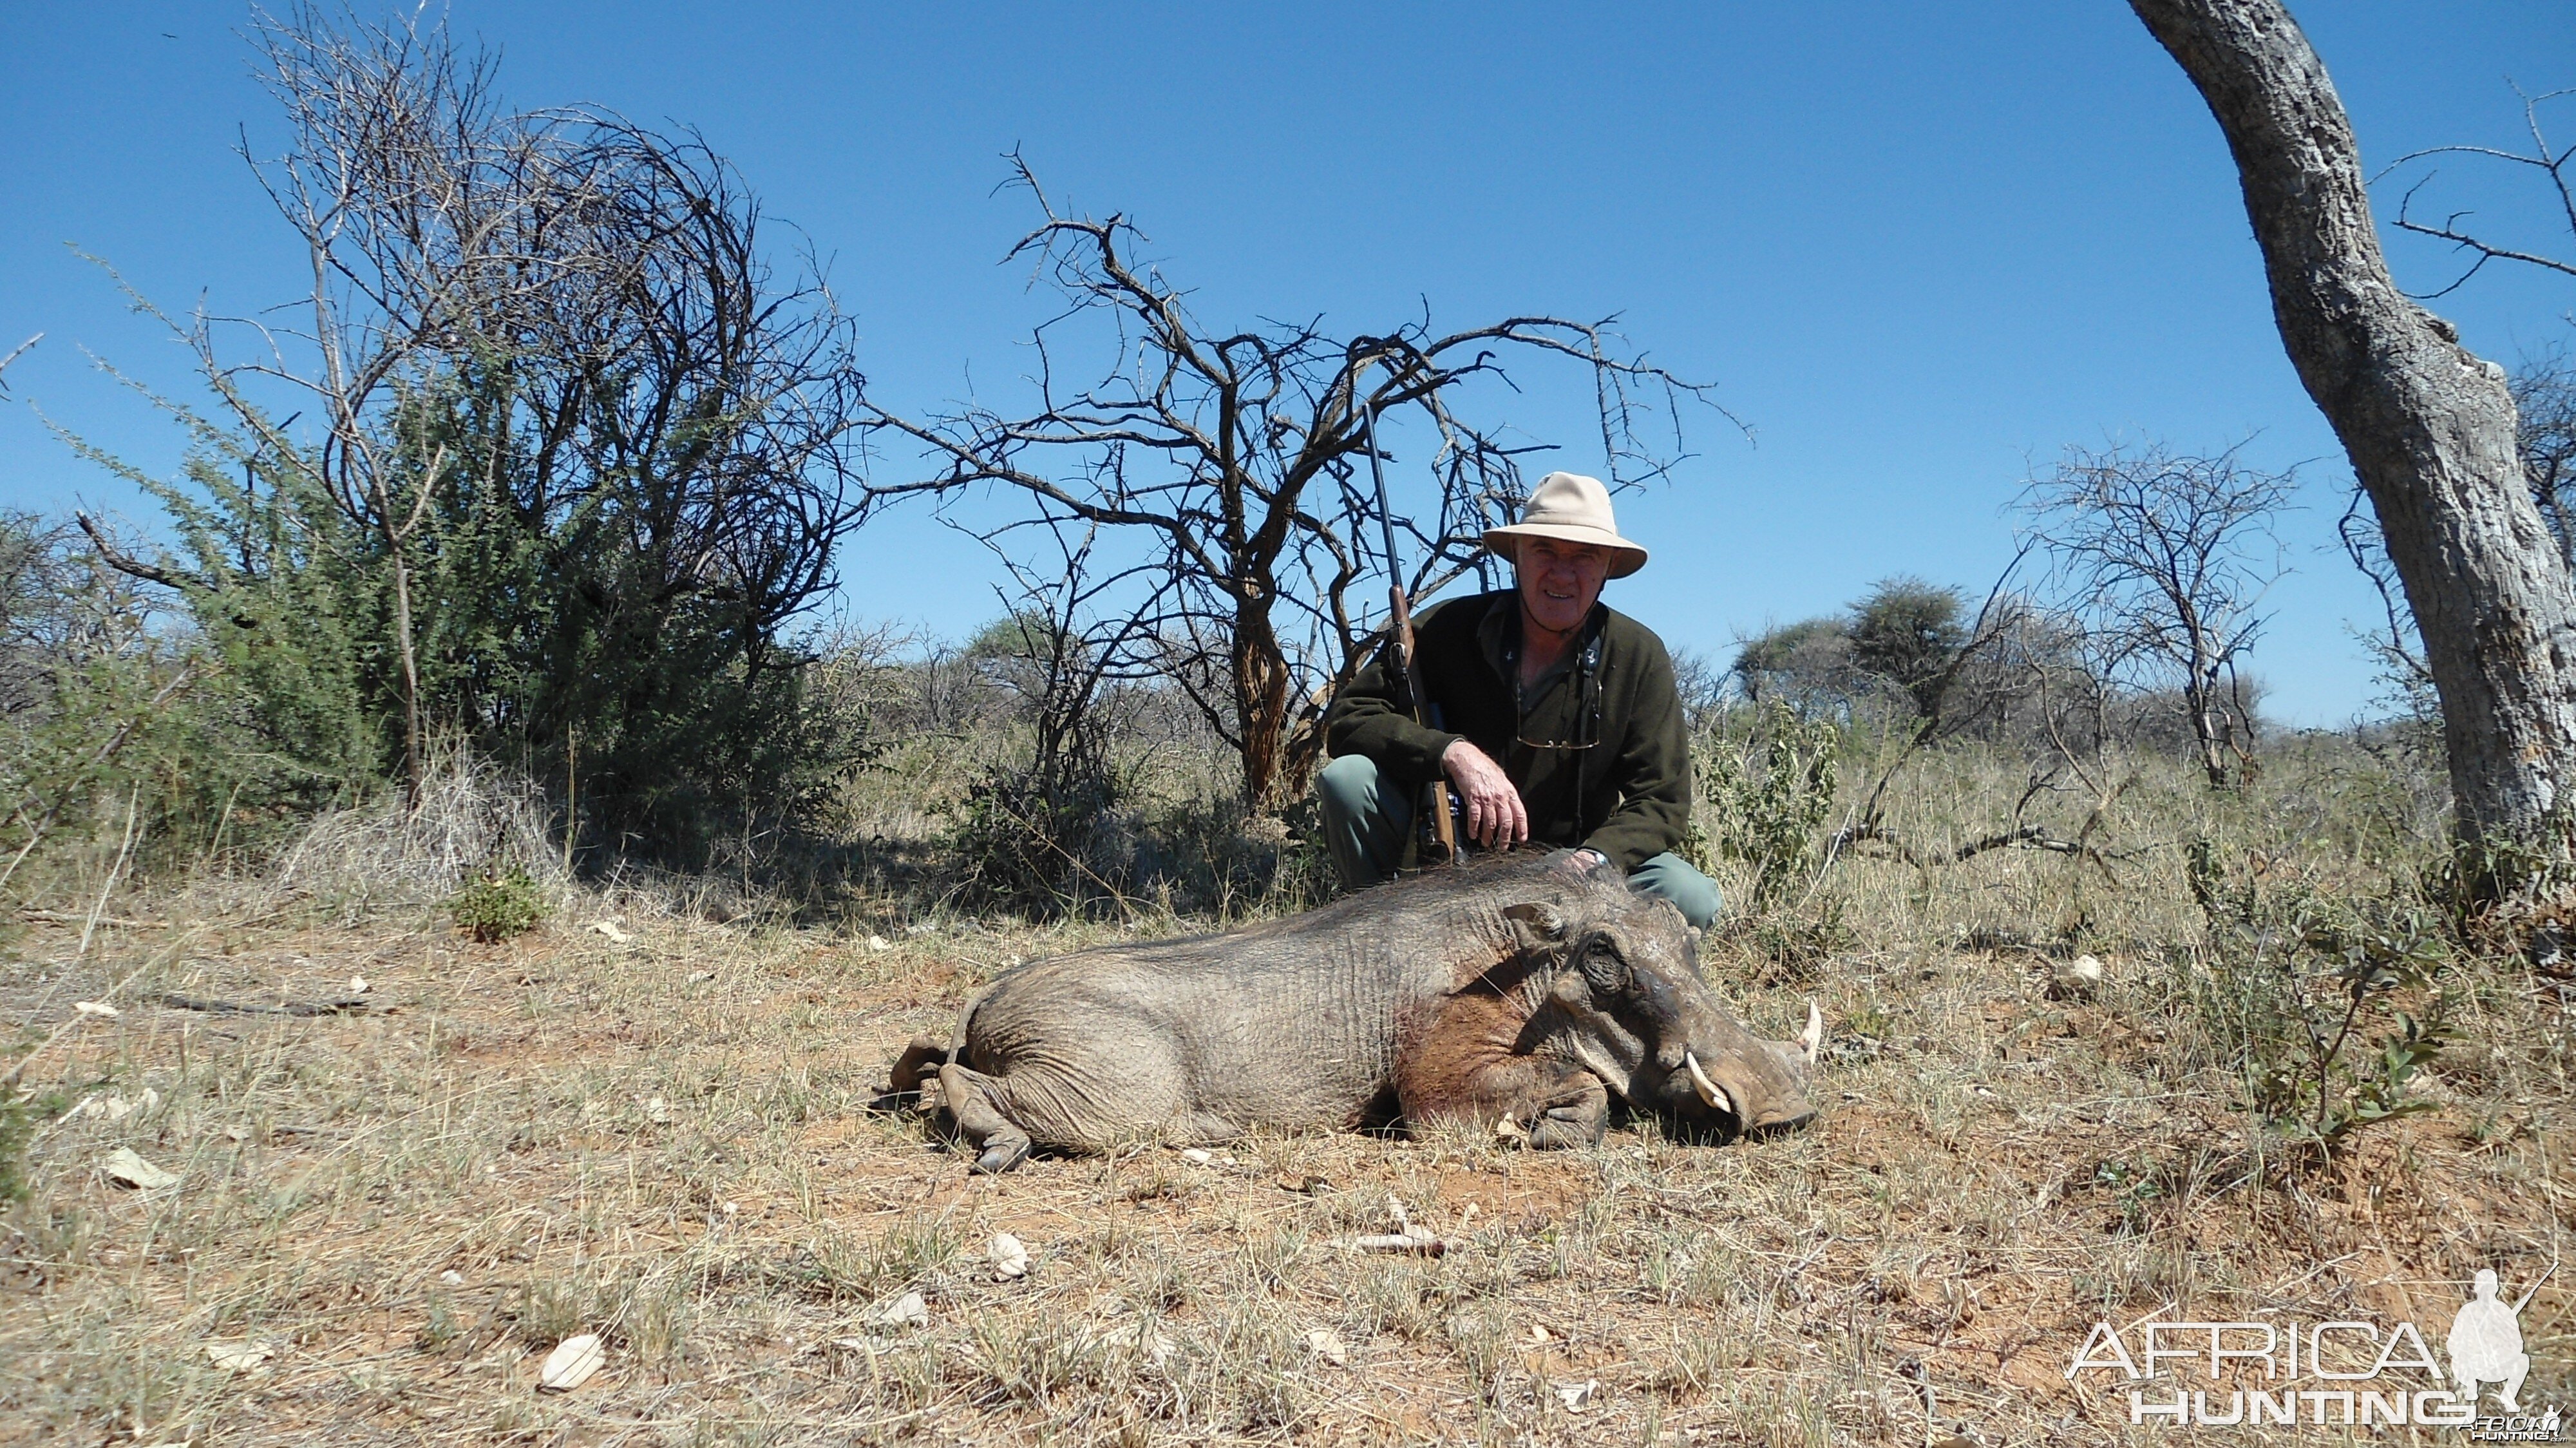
[1003, 1146]
[1577, 1115]
[1560, 1103]
[919, 1062]
[1467, 1064]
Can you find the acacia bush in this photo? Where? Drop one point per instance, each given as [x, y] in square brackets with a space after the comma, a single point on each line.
[574, 458]
[108, 710]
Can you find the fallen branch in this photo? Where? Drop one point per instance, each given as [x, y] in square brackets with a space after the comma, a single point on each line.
[58, 917]
[2026, 837]
[1424, 1244]
[345, 1006]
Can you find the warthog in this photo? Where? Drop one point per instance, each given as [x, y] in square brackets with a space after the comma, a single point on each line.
[1519, 989]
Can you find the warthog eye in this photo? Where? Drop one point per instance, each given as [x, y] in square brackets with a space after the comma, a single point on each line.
[1603, 967]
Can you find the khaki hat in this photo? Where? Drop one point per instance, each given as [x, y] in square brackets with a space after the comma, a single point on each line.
[1576, 509]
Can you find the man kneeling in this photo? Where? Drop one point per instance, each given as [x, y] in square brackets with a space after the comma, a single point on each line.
[1558, 720]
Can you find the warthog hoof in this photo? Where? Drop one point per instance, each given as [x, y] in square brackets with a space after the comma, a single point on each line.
[1001, 1156]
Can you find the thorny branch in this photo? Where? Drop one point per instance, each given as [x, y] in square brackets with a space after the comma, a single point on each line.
[2552, 163]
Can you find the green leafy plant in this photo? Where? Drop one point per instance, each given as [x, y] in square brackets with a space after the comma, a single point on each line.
[2133, 1185]
[498, 906]
[2375, 1087]
[2300, 987]
[1764, 798]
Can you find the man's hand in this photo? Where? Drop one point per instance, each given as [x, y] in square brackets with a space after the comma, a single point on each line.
[1496, 818]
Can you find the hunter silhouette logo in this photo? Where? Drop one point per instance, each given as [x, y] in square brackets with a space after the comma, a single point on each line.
[2289, 1373]
[2486, 1343]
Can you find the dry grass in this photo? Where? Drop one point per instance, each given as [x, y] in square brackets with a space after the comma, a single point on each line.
[670, 1142]
[391, 855]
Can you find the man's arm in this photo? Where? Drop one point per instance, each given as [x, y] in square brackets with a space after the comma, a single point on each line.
[1651, 769]
[1364, 719]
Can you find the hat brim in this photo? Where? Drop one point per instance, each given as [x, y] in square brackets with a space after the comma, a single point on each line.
[1625, 557]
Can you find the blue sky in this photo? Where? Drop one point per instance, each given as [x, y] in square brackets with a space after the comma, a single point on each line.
[1919, 248]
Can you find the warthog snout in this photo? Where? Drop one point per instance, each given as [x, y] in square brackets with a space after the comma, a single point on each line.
[1763, 1100]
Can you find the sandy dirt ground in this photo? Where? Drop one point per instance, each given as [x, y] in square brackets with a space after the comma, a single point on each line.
[387, 1214]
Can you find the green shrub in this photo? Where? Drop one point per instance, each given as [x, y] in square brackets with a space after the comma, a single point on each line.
[498, 907]
[108, 710]
[2299, 990]
[17, 1128]
[1763, 799]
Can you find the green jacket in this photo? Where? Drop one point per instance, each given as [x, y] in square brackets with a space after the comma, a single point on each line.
[1628, 795]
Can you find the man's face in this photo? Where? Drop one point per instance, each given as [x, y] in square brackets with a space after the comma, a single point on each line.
[1560, 581]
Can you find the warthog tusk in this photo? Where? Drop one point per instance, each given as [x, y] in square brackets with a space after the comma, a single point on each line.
[1814, 1035]
[1709, 1091]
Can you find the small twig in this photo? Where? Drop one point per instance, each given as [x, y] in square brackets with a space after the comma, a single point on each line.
[19, 351]
[1405, 1238]
[2326, 1058]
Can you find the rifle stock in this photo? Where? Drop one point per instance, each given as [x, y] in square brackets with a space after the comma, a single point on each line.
[1435, 795]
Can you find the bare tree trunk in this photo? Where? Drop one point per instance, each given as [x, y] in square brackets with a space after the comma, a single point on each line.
[2208, 721]
[414, 770]
[2428, 425]
[2206, 731]
[1261, 681]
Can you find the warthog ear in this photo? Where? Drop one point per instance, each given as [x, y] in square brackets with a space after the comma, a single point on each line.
[1538, 919]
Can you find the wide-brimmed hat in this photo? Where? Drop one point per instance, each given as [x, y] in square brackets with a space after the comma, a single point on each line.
[1575, 509]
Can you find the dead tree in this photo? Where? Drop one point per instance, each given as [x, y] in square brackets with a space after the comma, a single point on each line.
[2169, 557]
[1227, 459]
[2429, 425]
[2394, 644]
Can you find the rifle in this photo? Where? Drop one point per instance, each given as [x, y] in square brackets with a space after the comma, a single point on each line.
[1435, 833]
[2535, 1289]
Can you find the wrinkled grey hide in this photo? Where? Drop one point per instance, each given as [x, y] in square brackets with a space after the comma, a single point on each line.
[1522, 988]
